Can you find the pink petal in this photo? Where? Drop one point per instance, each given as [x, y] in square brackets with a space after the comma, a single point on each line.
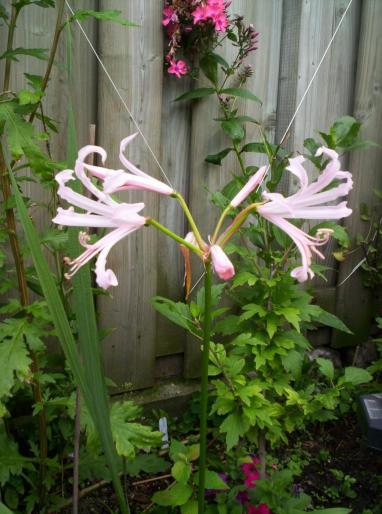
[128, 165]
[250, 186]
[222, 265]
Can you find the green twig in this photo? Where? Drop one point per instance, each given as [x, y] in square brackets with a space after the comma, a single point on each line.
[180, 240]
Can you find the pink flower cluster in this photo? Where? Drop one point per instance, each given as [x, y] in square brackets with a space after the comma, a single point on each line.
[252, 474]
[187, 20]
[214, 11]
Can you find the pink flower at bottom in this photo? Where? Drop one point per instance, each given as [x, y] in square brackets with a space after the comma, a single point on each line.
[177, 68]
[259, 509]
[223, 267]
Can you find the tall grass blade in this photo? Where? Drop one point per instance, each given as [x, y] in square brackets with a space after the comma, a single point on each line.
[92, 387]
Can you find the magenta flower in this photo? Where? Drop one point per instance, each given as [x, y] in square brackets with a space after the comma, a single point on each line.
[249, 187]
[169, 15]
[200, 14]
[223, 267]
[214, 11]
[251, 478]
[309, 203]
[177, 68]
[259, 509]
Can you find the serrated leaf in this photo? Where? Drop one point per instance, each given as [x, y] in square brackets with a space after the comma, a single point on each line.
[336, 510]
[242, 93]
[5, 510]
[174, 496]
[14, 358]
[326, 367]
[326, 318]
[234, 426]
[357, 376]
[146, 463]
[213, 481]
[194, 94]
[292, 362]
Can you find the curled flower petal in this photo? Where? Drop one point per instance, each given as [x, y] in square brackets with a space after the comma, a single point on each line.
[223, 267]
[309, 203]
[249, 187]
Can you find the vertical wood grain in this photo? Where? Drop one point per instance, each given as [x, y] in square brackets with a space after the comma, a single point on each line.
[207, 136]
[134, 57]
[354, 302]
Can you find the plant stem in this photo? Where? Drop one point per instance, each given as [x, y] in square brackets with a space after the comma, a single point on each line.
[204, 385]
[262, 455]
[180, 240]
[76, 452]
[191, 221]
[52, 54]
[20, 270]
[220, 223]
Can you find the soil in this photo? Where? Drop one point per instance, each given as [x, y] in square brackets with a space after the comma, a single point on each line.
[330, 446]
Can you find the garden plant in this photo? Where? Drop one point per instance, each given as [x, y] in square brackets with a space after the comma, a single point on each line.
[259, 384]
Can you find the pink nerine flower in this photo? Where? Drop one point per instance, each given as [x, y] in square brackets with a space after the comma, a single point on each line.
[250, 186]
[259, 509]
[309, 203]
[105, 212]
[177, 68]
[119, 180]
[222, 265]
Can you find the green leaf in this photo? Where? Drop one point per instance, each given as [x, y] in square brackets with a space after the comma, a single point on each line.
[146, 463]
[191, 507]
[218, 157]
[326, 318]
[38, 53]
[242, 93]
[209, 67]
[177, 312]
[344, 131]
[181, 471]
[356, 376]
[233, 129]
[235, 425]
[200, 92]
[5, 510]
[336, 510]
[114, 16]
[291, 314]
[292, 362]
[326, 367]
[214, 481]
[178, 494]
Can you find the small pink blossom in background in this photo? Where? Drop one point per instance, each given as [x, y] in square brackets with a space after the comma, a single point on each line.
[251, 478]
[309, 203]
[223, 267]
[259, 509]
[213, 10]
[177, 68]
[169, 15]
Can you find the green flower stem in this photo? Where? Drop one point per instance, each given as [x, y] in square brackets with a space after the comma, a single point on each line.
[191, 221]
[220, 223]
[237, 223]
[180, 240]
[204, 385]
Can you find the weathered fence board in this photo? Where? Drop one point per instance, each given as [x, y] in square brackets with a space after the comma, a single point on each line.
[354, 302]
[293, 36]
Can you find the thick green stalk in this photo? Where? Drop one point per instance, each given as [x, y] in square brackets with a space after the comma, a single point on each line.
[191, 221]
[204, 385]
[180, 240]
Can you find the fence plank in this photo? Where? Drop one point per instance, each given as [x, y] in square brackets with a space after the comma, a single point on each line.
[175, 137]
[206, 134]
[134, 59]
[354, 302]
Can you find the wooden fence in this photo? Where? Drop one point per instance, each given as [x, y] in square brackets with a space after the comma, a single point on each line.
[293, 37]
